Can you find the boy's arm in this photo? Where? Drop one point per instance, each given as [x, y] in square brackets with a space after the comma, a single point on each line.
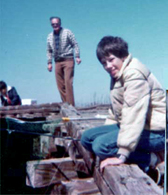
[4, 101]
[16, 99]
[134, 111]
[110, 119]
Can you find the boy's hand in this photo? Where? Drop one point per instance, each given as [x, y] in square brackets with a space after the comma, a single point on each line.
[110, 161]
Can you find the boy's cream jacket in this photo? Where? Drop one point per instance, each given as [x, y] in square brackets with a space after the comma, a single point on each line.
[138, 103]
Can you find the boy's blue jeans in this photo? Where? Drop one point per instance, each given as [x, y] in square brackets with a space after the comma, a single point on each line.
[103, 142]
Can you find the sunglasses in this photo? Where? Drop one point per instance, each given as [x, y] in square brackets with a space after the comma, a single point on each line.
[55, 24]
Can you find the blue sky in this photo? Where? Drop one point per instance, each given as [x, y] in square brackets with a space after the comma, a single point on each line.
[25, 26]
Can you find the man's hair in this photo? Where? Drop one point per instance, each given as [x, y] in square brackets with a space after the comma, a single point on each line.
[2, 85]
[55, 17]
[111, 45]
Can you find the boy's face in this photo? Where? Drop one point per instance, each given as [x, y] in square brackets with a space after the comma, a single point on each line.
[113, 65]
[3, 91]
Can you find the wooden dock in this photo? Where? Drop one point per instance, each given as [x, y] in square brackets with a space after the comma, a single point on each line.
[66, 167]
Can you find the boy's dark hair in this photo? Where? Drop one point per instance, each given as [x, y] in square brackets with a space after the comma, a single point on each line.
[111, 45]
[2, 85]
[55, 17]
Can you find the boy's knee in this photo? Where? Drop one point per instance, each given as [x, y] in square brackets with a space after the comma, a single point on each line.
[102, 149]
[98, 148]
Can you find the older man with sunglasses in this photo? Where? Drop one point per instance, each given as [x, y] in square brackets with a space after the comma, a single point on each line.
[61, 45]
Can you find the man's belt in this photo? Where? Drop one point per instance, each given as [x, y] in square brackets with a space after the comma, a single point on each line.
[61, 59]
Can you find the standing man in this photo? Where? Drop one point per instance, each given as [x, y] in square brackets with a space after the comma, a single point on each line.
[61, 45]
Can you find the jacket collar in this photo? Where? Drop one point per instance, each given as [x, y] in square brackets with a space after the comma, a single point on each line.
[9, 88]
[125, 64]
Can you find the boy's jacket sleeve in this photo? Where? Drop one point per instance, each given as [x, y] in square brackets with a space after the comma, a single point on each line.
[134, 111]
[110, 119]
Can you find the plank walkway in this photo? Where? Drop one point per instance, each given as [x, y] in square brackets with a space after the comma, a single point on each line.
[30, 111]
[75, 171]
[125, 179]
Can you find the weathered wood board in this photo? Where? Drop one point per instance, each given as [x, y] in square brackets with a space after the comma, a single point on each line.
[76, 187]
[130, 179]
[30, 111]
[43, 173]
[112, 180]
[62, 174]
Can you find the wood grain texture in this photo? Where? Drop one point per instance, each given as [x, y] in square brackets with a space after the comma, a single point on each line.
[101, 183]
[30, 111]
[129, 179]
[76, 187]
[116, 180]
[43, 173]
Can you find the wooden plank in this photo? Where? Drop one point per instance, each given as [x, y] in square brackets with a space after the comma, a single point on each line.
[24, 107]
[43, 173]
[53, 116]
[111, 181]
[129, 179]
[101, 183]
[76, 187]
[71, 149]
[73, 131]
[30, 111]
[96, 107]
